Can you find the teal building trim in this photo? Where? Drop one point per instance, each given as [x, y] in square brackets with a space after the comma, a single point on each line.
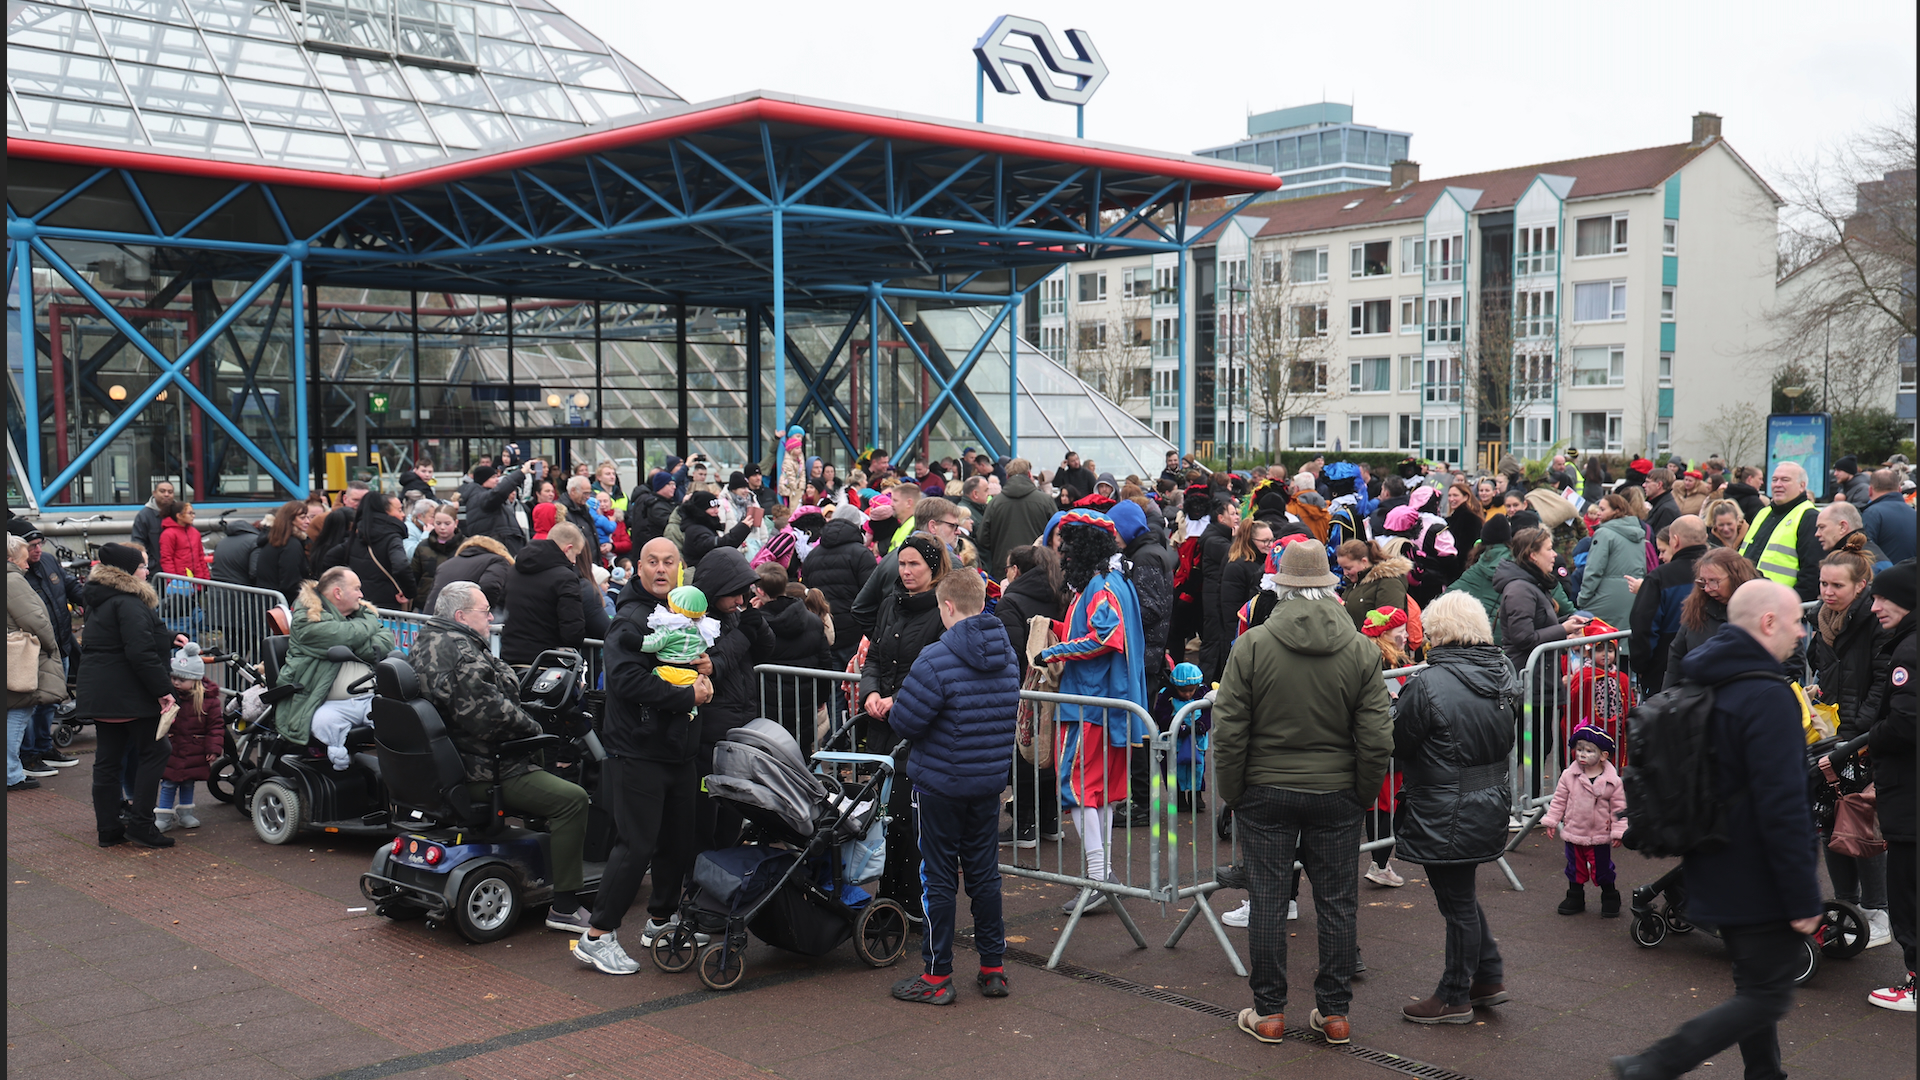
[1673, 196]
[1666, 403]
[1666, 337]
[1669, 270]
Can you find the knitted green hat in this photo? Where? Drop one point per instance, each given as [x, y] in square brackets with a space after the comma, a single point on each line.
[689, 601]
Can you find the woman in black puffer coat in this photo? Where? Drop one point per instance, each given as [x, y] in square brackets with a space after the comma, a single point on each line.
[1246, 565]
[1845, 653]
[125, 660]
[838, 566]
[801, 639]
[1453, 727]
[1715, 576]
[377, 552]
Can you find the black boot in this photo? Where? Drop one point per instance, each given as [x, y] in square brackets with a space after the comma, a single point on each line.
[1576, 901]
[1609, 902]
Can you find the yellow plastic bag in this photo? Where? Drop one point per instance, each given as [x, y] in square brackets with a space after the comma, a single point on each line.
[1818, 721]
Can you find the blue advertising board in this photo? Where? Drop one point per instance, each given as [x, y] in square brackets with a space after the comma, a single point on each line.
[1802, 438]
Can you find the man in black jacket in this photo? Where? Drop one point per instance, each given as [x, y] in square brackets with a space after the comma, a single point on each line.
[233, 556]
[838, 566]
[543, 597]
[146, 523]
[1661, 509]
[1216, 624]
[649, 779]
[1789, 488]
[336, 529]
[1762, 890]
[1656, 606]
[1891, 741]
[418, 478]
[491, 511]
[650, 510]
[700, 525]
[1073, 475]
[745, 640]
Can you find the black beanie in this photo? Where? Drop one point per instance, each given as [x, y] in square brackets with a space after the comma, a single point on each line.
[482, 473]
[1525, 519]
[1849, 465]
[1497, 530]
[128, 557]
[1896, 583]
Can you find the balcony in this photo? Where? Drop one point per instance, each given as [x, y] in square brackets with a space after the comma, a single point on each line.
[1165, 349]
[1536, 263]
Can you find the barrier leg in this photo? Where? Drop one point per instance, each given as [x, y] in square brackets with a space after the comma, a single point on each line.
[1513, 879]
[1066, 932]
[1126, 920]
[1202, 907]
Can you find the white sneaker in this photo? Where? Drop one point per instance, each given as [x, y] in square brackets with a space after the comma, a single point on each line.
[1385, 875]
[1879, 928]
[657, 929]
[604, 952]
[1239, 916]
[1899, 997]
[1293, 910]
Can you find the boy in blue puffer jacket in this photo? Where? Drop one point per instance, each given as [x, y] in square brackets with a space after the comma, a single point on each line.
[957, 708]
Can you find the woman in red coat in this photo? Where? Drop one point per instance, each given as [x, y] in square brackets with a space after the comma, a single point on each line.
[182, 550]
[198, 736]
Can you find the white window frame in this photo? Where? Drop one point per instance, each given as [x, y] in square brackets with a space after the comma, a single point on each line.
[1293, 320]
[1616, 301]
[1356, 430]
[1165, 285]
[1441, 436]
[1663, 434]
[1320, 255]
[1616, 367]
[1356, 374]
[1669, 237]
[1053, 342]
[1357, 259]
[1409, 431]
[1411, 250]
[1409, 373]
[1612, 439]
[1667, 297]
[1533, 430]
[1666, 370]
[1909, 376]
[1053, 296]
[1319, 422]
[1440, 380]
[1446, 318]
[1537, 250]
[1099, 326]
[1410, 314]
[1356, 319]
[1616, 234]
[1099, 279]
[1446, 259]
[1536, 312]
[1136, 282]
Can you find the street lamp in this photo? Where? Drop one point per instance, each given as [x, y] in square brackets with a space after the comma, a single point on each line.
[1793, 397]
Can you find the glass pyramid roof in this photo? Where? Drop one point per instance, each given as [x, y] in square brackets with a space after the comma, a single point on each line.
[348, 85]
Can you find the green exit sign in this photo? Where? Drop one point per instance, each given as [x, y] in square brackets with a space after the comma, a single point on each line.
[377, 403]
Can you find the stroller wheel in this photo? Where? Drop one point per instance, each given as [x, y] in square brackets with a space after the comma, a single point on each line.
[1809, 961]
[674, 951]
[1843, 930]
[1648, 930]
[63, 735]
[880, 933]
[721, 966]
[221, 776]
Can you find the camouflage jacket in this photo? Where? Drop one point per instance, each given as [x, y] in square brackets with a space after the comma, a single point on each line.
[477, 695]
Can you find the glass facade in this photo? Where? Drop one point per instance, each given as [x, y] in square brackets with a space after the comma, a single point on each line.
[373, 85]
[1342, 157]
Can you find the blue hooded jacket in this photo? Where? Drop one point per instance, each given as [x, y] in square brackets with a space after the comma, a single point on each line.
[958, 706]
[1766, 874]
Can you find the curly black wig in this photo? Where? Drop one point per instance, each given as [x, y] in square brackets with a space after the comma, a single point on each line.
[1085, 551]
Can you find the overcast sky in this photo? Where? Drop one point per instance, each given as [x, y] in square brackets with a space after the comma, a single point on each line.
[1480, 85]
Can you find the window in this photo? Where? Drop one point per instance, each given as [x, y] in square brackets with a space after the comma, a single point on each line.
[1538, 250]
[1090, 335]
[1309, 265]
[1441, 382]
[1310, 320]
[1165, 290]
[1373, 259]
[1370, 317]
[1053, 296]
[1138, 332]
[1409, 373]
[1599, 301]
[1272, 269]
[1409, 431]
[1533, 377]
[1446, 258]
[1444, 317]
[1233, 273]
[1669, 237]
[1308, 377]
[1597, 431]
[1410, 251]
[1368, 432]
[1136, 283]
[1537, 430]
[1053, 342]
[1907, 368]
[1666, 369]
[1441, 436]
[1663, 435]
[1166, 430]
[1409, 314]
[1600, 365]
[1166, 389]
[1535, 313]
[1370, 375]
[1093, 287]
[1666, 305]
[1604, 235]
[1165, 333]
[1307, 432]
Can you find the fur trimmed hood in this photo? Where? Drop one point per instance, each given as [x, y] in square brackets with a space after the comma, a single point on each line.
[112, 577]
[311, 604]
[485, 543]
[1394, 566]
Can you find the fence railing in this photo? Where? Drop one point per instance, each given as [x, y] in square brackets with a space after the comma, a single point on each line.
[221, 617]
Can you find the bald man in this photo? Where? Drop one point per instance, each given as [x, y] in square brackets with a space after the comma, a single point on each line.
[1762, 890]
[1656, 602]
[1782, 542]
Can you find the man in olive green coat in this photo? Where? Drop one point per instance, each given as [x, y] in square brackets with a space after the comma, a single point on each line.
[329, 612]
[1302, 736]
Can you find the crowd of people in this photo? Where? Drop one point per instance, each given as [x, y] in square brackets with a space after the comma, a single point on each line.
[1345, 620]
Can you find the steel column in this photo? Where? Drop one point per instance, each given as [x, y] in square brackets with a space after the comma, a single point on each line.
[1014, 297]
[680, 381]
[756, 420]
[873, 363]
[302, 463]
[29, 369]
[779, 331]
[1180, 336]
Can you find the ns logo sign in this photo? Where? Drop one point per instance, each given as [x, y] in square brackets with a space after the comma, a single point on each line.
[1080, 62]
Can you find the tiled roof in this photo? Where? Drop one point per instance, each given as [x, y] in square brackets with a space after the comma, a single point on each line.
[1602, 174]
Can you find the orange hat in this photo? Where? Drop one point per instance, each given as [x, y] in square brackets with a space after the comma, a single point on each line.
[1598, 626]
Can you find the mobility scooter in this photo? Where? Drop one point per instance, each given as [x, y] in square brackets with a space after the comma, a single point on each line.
[296, 788]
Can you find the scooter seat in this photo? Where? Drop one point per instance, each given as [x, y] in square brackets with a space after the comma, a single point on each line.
[360, 737]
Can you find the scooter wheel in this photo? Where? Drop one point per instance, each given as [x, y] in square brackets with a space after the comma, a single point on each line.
[488, 906]
[880, 934]
[1648, 930]
[674, 951]
[276, 812]
[1844, 930]
[244, 787]
[721, 966]
[1809, 961]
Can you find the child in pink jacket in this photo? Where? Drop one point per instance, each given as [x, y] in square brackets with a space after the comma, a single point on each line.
[1587, 813]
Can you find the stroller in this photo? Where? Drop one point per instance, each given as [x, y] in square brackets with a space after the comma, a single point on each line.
[811, 839]
[1843, 932]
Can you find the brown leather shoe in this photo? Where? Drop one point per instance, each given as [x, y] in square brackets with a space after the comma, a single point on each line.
[1268, 1029]
[1334, 1029]
[1435, 1011]
[1480, 996]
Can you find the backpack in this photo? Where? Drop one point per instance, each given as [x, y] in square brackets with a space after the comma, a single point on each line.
[1671, 806]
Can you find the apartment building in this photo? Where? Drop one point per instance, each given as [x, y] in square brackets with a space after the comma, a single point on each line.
[1615, 302]
[1317, 149]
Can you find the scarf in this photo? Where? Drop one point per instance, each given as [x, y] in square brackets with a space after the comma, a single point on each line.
[1832, 622]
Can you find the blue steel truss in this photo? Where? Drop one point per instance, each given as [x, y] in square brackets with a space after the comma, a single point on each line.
[758, 216]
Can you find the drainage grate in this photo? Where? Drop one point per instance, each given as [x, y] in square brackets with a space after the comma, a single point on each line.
[1405, 1066]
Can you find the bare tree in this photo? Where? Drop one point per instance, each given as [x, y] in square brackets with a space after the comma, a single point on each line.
[1847, 257]
[1510, 361]
[1735, 432]
[1111, 354]
[1287, 347]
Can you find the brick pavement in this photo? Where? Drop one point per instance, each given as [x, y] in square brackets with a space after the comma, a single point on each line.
[226, 957]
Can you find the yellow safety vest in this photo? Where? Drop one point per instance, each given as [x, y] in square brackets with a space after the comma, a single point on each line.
[1780, 560]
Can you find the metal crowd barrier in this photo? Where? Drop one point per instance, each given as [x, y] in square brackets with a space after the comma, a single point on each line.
[1562, 689]
[221, 617]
